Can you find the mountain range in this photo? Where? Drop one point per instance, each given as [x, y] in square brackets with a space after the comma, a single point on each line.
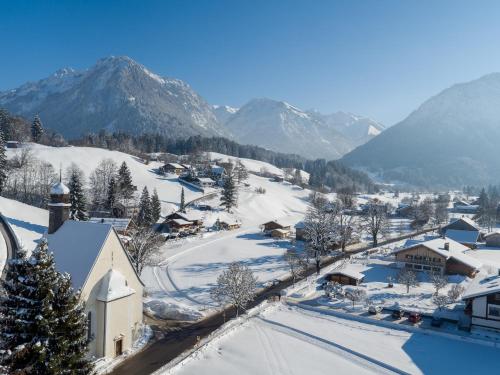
[451, 140]
[119, 94]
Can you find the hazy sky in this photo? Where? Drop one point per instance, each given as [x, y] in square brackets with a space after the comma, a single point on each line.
[376, 58]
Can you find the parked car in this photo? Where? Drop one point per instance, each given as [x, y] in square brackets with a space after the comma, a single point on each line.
[436, 321]
[374, 309]
[397, 314]
[414, 317]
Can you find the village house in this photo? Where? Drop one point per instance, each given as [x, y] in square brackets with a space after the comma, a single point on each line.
[441, 255]
[178, 226]
[100, 267]
[300, 231]
[172, 168]
[462, 230]
[274, 224]
[204, 182]
[120, 225]
[482, 299]
[280, 233]
[492, 239]
[227, 224]
[345, 276]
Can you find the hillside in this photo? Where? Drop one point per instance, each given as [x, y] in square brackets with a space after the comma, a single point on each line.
[449, 141]
[116, 94]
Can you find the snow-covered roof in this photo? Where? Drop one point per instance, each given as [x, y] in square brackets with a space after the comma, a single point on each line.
[463, 236]
[59, 189]
[282, 231]
[491, 234]
[300, 225]
[120, 224]
[181, 222]
[113, 286]
[465, 220]
[175, 165]
[481, 287]
[206, 179]
[455, 250]
[349, 272]
[217, 169]
[76, 246]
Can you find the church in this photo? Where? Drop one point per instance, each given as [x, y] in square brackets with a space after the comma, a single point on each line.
[100, 267]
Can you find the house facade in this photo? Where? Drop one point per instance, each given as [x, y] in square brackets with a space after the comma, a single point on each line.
[482, 299]
[441, 255]
[100, 267]
[492, 239]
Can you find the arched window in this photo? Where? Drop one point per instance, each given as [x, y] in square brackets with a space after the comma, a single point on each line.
[89, 326]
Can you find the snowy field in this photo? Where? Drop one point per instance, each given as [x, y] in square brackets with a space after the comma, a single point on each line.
[289, 340]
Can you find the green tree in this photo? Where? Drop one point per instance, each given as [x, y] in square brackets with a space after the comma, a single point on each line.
[78, 210]
[112, 193]
[155, 207]
[182, 205]
[229, 197]
[36, 129]
[125, 185]
[144, 217]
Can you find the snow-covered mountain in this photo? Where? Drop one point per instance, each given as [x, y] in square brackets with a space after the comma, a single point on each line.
[223, 112]
[282, 127]
[358, 129]
[451, 140]
[116, 93]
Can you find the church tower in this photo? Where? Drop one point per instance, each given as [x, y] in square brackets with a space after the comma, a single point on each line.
[59, 206]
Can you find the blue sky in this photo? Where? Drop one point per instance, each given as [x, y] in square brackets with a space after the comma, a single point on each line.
[379, 58]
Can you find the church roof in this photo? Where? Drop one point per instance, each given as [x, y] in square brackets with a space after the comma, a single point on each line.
[113, 286]
[59, 189]
[76, 246]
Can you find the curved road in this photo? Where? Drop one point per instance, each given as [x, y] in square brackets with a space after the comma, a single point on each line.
[10, 240]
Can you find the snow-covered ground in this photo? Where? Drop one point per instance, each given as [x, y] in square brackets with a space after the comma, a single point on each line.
[87, 158]
[190, 267]
[29, 223]
[289, 340]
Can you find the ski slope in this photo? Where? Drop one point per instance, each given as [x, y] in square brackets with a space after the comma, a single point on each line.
[287, 340]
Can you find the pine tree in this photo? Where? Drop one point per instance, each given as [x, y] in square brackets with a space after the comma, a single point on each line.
[155, 207]
[112, 191]
[125, 185]
[36, 129]
[145, 217]
[182, 206]
[3, 162]
[73, 327]
[241, 172]
[18, 311]
[77, 198]
[229, 197]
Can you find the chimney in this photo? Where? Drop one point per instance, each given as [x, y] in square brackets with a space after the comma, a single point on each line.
[59, 206]
[447, 246]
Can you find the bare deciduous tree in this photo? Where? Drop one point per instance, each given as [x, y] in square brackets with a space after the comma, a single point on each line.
[355, 295]
[408, 278]
[438, 280]
[144, 248]
[440, 300]
[99, 181]
[296, 263]
[237, 285]
[455, 292]
[375, 220]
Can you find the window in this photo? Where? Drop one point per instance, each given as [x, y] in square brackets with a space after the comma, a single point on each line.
[417, 266]
[436, 269]
[494, 311]
[89, 326]
[409, 256]
[427, 268]
[496, 296]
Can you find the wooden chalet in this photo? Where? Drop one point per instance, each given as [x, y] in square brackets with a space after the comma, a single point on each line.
[300, 231]
[440, 255]
[172, 168]
[274, 224]
[345, 276]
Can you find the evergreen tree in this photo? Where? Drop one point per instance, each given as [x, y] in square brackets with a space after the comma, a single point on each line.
[145, 217]
[112, 191]
[125, 185]
[182, 205]
[229, 197]
[77, 198]
[155, 207]
[241, 172]
[41, 321]
[36, 129]
[72, 343]
[3, 162]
